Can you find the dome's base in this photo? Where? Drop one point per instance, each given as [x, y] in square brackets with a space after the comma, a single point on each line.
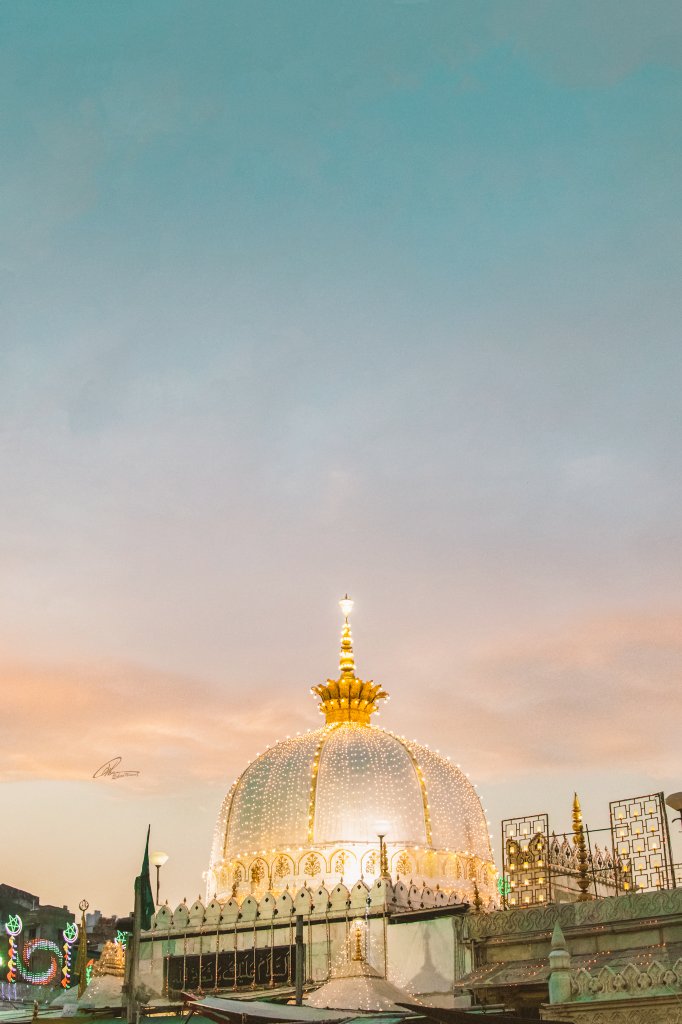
[346, 864]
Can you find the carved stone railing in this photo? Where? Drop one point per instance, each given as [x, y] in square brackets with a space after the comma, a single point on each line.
[627, 982]
[563, 858]
[632, 906]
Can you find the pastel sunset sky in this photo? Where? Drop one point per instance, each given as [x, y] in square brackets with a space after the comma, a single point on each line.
[299, 298]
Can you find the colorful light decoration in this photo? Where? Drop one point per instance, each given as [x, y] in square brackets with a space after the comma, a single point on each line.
[70, 935]
[13, 928]
[40, 977]
[503, 886]
[89, 967]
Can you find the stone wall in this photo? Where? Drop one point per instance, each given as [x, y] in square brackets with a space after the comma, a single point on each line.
[419, 954]
[622, 953]
[657, 1010]
[616, 909]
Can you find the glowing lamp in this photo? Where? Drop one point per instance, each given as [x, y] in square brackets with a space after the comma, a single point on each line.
[346, 605]
[158, 859]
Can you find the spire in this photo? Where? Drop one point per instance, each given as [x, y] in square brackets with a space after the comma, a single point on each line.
[348, 699]
[558, 941]
[581, 850]
[346, 657]
[559, 968]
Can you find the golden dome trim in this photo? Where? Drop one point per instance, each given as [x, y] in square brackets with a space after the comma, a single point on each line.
[349, 699]
[422, 788]
[313, 783]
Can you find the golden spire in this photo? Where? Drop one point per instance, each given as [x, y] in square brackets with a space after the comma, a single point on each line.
[348, 699]
[357, 953]
[346, 658]
[581, 850]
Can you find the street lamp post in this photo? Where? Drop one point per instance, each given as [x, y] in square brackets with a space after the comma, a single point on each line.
[674, 800]
[158, 859]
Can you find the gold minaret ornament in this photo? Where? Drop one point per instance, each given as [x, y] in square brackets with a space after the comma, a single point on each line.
[112, 960]
[348, 699]
[581, 850]
[357, 951]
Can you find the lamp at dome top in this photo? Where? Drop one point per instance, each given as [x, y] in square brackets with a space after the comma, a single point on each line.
[346, 604]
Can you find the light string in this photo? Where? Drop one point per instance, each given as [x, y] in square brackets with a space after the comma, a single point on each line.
[70, 935]
[40, 977]
[13, 929]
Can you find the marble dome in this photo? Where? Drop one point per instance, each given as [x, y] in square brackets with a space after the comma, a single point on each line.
[311, 807]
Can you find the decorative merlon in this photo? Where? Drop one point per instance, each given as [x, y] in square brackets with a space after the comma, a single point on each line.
[394, 897]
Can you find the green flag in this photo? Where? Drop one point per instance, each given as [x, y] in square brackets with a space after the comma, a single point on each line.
[146, 895]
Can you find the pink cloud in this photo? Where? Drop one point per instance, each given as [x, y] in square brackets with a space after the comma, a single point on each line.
[67, 720]
[601, 694]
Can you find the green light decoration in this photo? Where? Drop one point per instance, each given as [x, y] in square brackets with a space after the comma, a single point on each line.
[44, 977]
[13, 926]
[88, 971]
[70, 935]
[503, 886]
[122, 938]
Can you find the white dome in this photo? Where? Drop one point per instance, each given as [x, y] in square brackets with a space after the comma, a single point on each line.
[312, 806]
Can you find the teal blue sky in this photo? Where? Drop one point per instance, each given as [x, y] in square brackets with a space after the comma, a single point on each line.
[300, 298]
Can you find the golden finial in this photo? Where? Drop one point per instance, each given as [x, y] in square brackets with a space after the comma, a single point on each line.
[581, 850]
[348, 699]
[357, 951]
[346, 659]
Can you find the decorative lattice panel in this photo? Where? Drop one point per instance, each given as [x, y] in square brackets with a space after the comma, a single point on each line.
[641, 843]
[526, 872]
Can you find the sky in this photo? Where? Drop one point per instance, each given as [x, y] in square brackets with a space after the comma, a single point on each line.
[300, 298]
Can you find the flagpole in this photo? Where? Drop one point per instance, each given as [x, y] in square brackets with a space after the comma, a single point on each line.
[82, 956]
[142, 919]
[132, 955]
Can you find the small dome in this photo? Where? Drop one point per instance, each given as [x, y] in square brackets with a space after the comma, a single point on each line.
[312, 807]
